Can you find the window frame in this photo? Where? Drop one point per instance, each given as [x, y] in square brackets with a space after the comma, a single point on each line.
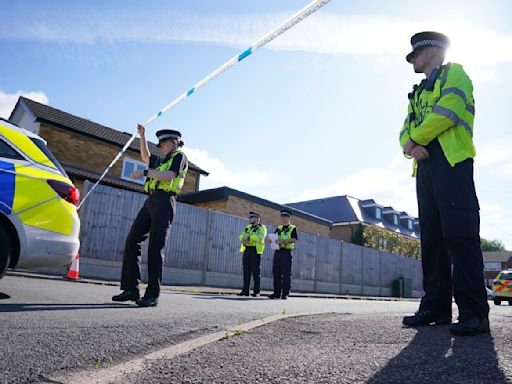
[19, 156]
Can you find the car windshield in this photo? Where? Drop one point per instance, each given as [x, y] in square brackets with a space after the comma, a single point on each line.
[506, 276]
[42, 146]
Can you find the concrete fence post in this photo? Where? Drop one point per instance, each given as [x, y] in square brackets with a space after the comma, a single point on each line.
[317, 256]
[206, 254]
[362, 270]
[341, 268]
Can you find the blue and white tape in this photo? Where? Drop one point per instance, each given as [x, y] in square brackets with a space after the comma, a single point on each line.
[305, 12]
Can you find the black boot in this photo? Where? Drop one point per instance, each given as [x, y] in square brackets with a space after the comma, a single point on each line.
[127, 296]
[243, 293]
[147, 302]
[424, 318]
[469, 325]
[274, 296]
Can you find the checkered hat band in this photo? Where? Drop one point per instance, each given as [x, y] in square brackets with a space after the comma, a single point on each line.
[429, 43]
[169, 136]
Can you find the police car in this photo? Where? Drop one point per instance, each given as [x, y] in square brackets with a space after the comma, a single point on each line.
[502, 287]
[39, 224]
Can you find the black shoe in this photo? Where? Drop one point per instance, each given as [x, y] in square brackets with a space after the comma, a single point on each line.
[273, 296]
[424, 318]
[127, 296]
[470, 325]
[147, 302]
[255, 295]
[284, 297]
[243, 293]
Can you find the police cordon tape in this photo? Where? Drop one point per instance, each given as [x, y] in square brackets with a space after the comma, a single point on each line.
[308, 10]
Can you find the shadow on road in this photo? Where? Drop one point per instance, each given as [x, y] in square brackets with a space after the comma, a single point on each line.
[4, 296]
[435, 356]
[59, 307]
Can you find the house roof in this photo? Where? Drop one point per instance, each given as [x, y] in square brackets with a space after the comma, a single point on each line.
[499, 257]
[85, 174]
[349, 210]
[223, 193]
[46, 114]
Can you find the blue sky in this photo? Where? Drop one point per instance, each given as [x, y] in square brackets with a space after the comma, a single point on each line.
[315, 114]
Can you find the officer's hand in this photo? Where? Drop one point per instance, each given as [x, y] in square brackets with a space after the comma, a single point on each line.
[141, 130]
[419, 153]
[136, 174]
[409, 146]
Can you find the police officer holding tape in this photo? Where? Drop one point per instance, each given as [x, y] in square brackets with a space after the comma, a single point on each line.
[165, 178]
[438, 134]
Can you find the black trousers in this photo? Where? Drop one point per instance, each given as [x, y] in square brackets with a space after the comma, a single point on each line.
[282, 270]
[251, 265]
[450, 235]
[154, 220]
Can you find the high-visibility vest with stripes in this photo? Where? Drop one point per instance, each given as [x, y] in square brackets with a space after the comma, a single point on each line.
[175, 185]
[285, 234]
[256, 235]
[442, 107]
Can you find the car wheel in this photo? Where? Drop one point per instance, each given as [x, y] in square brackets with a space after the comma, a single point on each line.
[6, 254]
[497, 301]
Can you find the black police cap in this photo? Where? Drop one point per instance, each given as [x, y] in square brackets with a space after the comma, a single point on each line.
[427, 39]
[285, 212]
[167, 134]
[254, 214]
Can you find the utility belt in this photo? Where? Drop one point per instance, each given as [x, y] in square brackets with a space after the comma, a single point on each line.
[153, 191]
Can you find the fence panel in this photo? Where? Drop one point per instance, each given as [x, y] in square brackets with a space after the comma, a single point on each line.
[352, 263]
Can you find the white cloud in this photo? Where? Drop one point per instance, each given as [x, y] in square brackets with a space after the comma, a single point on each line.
[323, 32]
[496, 153]
[8, 100]
[220, 175]
[390, 185]
[495, 223]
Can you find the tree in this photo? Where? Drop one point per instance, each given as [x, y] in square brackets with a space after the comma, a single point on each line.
[492, 245]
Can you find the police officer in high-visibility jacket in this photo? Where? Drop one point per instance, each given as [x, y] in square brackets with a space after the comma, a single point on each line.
[282, 265]
[164, 180]
[252, 245]
[438, 134]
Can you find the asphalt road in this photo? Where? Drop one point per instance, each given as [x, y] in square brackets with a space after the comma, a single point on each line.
[53, 326]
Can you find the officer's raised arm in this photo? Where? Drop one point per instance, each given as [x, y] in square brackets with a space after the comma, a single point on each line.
[144, 150]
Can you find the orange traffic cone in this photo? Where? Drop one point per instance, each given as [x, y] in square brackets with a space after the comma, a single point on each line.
[73, 269]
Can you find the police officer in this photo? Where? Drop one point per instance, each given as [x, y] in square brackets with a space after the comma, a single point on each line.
[252, 245]
[164, 180]
[438, 134]
[282, 265]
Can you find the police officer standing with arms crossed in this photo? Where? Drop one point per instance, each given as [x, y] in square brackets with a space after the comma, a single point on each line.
[252, 245]
[165, 178]
[438, 134]
[282, 265]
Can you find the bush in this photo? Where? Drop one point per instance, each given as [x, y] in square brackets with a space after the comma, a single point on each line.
[387, 241]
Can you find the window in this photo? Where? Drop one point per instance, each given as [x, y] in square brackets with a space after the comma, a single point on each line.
[43, 148]
[395, 219]
[8, 152]
[378, 213]
[130, 165]
[409, 224]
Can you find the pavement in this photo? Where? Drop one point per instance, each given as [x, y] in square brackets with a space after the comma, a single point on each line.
[55, 325]
[338, 348]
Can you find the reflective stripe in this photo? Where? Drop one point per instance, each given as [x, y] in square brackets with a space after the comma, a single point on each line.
[452, 116]
[406, 130]
[470, 109]
[457, 91]
[7, 187]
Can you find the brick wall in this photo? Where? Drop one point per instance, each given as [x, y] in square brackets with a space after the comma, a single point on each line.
[93, 154]
[219, 205]
[342, 232]
[240, 207]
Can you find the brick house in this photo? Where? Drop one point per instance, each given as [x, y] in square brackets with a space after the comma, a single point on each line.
[239, 203]
[347, 213]
[494, 263]
[85, 148]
